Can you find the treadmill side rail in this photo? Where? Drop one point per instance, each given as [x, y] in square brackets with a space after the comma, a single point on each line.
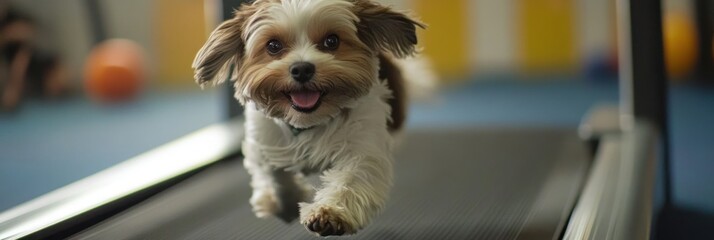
[618, 199]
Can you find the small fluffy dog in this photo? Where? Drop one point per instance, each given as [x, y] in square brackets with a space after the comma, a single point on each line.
[323, 90]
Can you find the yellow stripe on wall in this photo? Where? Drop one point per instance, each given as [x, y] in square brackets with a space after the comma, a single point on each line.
[180, 31]
[445, 39]
[547, 35]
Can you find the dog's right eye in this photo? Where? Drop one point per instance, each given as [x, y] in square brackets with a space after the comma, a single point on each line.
[274, 46]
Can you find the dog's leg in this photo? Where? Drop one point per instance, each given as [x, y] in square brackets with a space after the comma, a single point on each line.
[264, 199]
[276, 192]
[291, 189]
[353, 192]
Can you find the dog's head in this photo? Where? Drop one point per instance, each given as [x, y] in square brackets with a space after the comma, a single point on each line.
[304, 61]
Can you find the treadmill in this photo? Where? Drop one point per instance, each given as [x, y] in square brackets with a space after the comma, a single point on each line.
[608, 179]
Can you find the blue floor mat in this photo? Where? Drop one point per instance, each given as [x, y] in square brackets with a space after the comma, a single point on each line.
[47, 145]
[505, 103]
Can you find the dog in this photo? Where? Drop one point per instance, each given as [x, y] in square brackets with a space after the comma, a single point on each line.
[322, 86]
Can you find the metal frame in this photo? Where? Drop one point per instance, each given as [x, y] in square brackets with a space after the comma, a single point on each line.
[705, 28]
[233, 108]
[619, 199]
[643, 81]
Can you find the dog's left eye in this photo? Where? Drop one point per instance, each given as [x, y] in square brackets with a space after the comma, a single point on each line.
[331, 42]
[274, 46]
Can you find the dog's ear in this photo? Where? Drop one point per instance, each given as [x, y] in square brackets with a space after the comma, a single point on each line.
[386, 30]
[220, 56]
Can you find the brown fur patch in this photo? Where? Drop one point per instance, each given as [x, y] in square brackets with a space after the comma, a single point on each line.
[343, 75]
[386, 30]
[223, 48]
[389, 72]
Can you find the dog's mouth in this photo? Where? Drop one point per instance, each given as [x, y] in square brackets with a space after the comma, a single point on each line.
[305, 101]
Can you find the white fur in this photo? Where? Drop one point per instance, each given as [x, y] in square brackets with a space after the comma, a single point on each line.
[421, 79]
[351, 149]
[354, 155]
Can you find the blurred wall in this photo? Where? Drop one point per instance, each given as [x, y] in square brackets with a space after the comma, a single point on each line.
[521, 37]
[493, 34]
[515, 36]
[133, 19]
[463, 38]
[180, 29]
[63, 28]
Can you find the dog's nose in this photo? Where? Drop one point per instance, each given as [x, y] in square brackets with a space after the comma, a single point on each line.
[302, 71]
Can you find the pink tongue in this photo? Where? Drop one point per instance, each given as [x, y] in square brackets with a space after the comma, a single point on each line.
[305, 99]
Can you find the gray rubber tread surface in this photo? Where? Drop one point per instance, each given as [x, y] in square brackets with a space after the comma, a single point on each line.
[467, 183]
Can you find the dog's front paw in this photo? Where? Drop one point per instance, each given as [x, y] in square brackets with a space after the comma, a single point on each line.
[324, 221]
[264, 203]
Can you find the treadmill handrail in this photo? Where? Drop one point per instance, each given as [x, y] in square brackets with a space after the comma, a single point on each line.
[186, 154]
[617, 201]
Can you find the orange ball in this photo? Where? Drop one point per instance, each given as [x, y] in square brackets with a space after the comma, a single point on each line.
[114, 71]
[680, 43]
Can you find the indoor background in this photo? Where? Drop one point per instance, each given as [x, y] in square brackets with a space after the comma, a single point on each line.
[500, 62]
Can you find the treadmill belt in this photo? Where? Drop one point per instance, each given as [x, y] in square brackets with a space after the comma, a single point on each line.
[450, 184]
